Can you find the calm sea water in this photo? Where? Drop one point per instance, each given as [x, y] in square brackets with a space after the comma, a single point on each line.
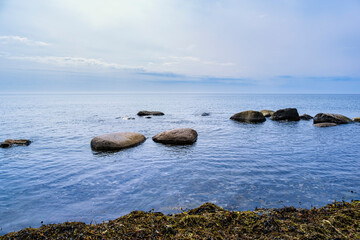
[237, 166]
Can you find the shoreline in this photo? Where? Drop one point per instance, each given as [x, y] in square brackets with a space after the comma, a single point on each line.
[339, 220]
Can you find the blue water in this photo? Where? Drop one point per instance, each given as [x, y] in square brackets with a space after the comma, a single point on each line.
[237, 166]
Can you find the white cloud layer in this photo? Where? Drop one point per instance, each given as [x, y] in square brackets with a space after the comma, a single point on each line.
[23, 40]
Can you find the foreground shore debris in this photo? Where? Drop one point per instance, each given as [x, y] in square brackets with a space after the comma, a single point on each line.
[339, 220]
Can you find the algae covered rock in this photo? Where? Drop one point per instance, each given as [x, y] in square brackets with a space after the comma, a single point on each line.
[325, 124]
[147, 113]
[249, 117]
[116, 141]
[180, 136]
[331, 118]
[267, 113]
[287, 114]
[10, 142]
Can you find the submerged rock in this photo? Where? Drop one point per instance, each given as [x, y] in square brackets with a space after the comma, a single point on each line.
[249, 117]
[10, 142]
[146, 113]
[180, 136]
[204, 114]
[126, 118]
[287, 114]
[267, 113]
[147, 117]
[116, 141]
[306, 117]
[331, 118]
[357, 119]
[325, 124]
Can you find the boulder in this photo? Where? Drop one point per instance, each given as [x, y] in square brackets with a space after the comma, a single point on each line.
[357, 119]
[267, 113]
[306, 117]
[287, 114]
[204, 114]
[331, 118]
[325, 124]
[116, 141]
[249, 117]
[180, 136]
[10, 142]
[147, 113]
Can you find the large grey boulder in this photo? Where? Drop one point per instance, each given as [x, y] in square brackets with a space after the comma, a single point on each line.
[180, 136]
[147, 113]
[116, 141]
[10, 142]
[249, 117]
[331, 118]
[267, 113]
[287, 114]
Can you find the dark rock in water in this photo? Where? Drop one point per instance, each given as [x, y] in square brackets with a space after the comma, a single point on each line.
[204, 114]
[180, 136]
[325, 124]
[10, 142]
[287, 114]
[306, 117]
[267, 113]
[146, 113]
[249, 117]
[126, 118]
[147, 117]
[331, 118]
[116, 141]
[357, 119]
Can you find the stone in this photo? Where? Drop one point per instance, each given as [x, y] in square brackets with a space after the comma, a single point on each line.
[306, 117]
[10, 142]
[204, 114]
[357, 119]
[180, 136]
[249, 117]
[147, 113]
[126, 118]
[325, 124]
[287, 114]
[267, 113]
[331, 118]
[116, 141]
[147, 117]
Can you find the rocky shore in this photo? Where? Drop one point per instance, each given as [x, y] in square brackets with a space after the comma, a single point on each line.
[339, 220]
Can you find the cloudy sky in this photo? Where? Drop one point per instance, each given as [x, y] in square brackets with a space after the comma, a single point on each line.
[255, 46]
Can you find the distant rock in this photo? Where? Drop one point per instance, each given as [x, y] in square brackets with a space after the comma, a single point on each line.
[306, 117]
[287, 114]
[357, 119]
[249, 117]
[180, 136]
[116, 141]
[204, 114]
[331, 118]
[126, 118]
[147, 117]
[325, 124]
[147, 113]
[10, 142]
[267, 113]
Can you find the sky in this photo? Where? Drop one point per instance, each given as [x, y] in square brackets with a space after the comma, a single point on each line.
[245, 46]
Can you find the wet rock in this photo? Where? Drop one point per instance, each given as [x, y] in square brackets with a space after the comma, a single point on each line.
[180, 136]
[204, 114]
[116, 141]
[147, 113]
[306, 117]
[10, 142]
[249, 117]
[331, 118]
[287, 114]
[267, 113]
[325, 124]
[126, 118]
[357, 119]
[147, 117]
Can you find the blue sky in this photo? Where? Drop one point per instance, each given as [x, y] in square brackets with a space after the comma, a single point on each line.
[248, 46]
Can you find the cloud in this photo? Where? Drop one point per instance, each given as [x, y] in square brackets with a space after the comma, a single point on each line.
[24, 40]
[197, 60]
[75, 62]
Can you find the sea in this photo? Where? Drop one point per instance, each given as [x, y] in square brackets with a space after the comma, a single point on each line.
[237, 166]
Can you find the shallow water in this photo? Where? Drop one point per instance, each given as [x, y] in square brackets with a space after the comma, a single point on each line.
[237, 166]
